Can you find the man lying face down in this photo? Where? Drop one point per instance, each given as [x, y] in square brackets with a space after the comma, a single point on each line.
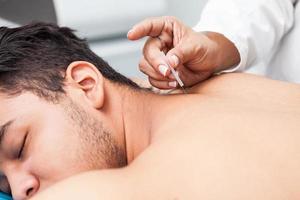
[48, 133]
[65, 111]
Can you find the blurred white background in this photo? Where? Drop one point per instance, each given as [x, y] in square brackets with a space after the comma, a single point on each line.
[104, 23]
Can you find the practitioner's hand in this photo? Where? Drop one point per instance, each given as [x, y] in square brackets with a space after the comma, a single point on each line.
[196, 56]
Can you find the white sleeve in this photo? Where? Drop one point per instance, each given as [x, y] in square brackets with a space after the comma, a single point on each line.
[254, 26]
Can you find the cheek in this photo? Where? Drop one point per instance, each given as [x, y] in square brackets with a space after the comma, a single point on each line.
[54, 152]
[53, 160]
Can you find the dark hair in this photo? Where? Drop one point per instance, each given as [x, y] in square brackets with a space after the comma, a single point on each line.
[34, 58]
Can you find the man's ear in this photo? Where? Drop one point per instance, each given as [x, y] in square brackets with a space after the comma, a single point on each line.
[86, 76]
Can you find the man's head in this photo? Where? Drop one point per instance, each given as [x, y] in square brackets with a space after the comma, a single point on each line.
[35, 57]
[53, 114]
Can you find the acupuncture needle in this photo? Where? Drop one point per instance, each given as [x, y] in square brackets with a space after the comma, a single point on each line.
[175, 74]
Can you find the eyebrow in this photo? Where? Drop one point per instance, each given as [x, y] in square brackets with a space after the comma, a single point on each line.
[3, 129]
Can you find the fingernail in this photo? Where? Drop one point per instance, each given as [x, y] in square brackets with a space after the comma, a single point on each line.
[163, 69]
[175, 59]
[173, 84]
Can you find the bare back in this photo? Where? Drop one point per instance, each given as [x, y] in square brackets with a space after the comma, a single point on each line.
[236, 136]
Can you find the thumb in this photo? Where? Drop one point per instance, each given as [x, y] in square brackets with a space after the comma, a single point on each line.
[180, 54]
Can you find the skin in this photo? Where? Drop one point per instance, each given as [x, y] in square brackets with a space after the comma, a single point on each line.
[196, 56]
[225, 139]
[73, 135]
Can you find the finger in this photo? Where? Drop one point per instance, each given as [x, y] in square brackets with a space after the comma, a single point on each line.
[165, 85]
[154, 55]
[148, 70]
[178, 55]
[150, 27]
[185, 51]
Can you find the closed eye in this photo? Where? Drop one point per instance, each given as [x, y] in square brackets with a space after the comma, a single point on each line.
[20, 154]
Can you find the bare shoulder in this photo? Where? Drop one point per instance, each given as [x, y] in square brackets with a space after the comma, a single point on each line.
[243, 87]
[94, 185]
[242, 81]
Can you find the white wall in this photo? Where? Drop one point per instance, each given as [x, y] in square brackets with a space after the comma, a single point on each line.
[187, 11]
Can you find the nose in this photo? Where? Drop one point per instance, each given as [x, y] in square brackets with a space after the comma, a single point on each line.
[23, 186]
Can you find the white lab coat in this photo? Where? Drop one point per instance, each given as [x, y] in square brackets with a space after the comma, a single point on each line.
[265, 32]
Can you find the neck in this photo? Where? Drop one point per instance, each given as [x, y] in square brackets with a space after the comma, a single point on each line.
[139, 117]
